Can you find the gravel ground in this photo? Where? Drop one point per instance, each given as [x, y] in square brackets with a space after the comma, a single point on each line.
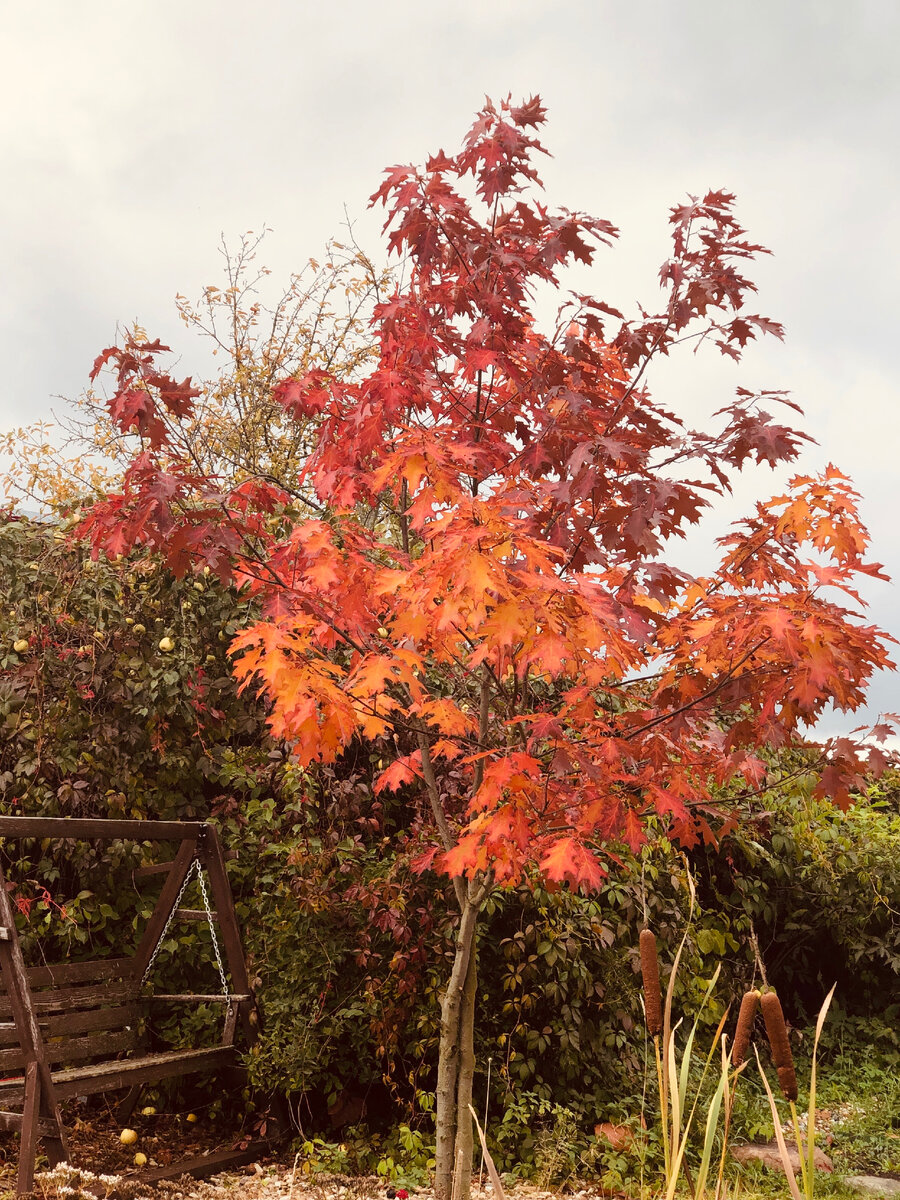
[260, 1181]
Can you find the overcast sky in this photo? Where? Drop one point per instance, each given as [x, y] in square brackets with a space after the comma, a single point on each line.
[135, 134]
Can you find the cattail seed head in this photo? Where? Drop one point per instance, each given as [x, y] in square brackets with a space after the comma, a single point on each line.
[650, 976]
[778, 1041]
[787, 1078]
[746, 1017]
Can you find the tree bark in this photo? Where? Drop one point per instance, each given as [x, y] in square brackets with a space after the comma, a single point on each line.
[462, 1170]
[456, 1047]
[456, 1058]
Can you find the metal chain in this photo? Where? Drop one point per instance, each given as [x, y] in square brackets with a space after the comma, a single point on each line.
[212, 934]
[195, 868]
[162, 937]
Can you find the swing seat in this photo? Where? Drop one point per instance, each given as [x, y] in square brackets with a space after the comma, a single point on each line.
[79, 1029]
[93, 1022]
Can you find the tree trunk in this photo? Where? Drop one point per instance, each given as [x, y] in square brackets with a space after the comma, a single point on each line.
[462, 1169]
[456, 1063]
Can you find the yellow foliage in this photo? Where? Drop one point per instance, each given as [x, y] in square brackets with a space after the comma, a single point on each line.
[238, 431]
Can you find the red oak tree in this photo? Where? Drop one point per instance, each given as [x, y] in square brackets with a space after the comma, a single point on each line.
[482, 573]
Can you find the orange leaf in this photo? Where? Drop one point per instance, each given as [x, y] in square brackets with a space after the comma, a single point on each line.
[401, 771]
[568, 861]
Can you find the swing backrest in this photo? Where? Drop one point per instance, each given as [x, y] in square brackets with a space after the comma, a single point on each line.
[86, 1011]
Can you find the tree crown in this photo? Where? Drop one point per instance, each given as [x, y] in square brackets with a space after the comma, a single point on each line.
[487, 582]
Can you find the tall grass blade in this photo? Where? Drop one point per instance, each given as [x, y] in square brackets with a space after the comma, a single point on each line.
[686, 1064]
[493, 1173]
[675, 1101]
[811, 1117]
[729, 1093]
[779, 1134]
[709, 1138]
[669, 1091]
[805, 1176]
[709, 1057]
[664, 1112]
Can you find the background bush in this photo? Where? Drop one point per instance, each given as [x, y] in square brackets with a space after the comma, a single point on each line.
[346, 942]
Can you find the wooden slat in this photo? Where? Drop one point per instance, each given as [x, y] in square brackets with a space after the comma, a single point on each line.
[107, 1077]
[204, 1165]
[198, 998]
[73, 1050]
[107, 1044]
[98, 827]
[11, 1122]
[70, 1023]
[68, 999]
[12, 1062]
[191, 914]
[9, 1035]
[89, 971]
[151, 869]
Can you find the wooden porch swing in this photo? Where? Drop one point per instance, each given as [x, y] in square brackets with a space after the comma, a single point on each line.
[78, 1028]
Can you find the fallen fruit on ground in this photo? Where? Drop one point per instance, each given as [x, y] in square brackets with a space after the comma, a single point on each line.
[140, 1159]
[128, 1137]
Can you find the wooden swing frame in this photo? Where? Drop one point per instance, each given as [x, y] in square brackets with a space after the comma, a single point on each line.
[57, 1011]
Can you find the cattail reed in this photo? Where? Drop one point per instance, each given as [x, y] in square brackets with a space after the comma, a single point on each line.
[787, 1078]
[650, 975]
[778, 1040]
[746, 1017]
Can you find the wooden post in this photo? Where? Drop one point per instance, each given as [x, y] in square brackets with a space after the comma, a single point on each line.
[164, 905]
[247, 1014]
[210, 849]
[128, 1103]
[40, 1096]
[28, 1138]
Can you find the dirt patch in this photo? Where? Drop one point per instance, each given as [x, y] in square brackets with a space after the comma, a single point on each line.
[103, 1169]
[95, 1148]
